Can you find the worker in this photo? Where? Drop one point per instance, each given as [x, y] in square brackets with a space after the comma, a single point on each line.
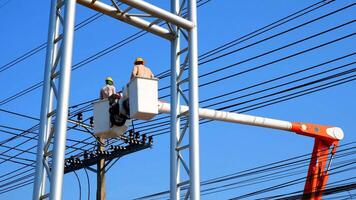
[108, 89]
[140, 70]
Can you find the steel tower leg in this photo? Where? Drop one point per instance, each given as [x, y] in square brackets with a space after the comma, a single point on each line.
[175, 103]
[178, 134]
[62, 105]
[46, 106]
[193, 104]
[59, 52]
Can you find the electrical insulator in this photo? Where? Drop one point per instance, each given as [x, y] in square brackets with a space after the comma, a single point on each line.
[137, 136]
[91, 121]
[144, 138]
[80, 117]
[86, 155]
[131, 134]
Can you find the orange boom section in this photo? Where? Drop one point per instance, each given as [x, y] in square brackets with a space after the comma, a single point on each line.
[325, 144]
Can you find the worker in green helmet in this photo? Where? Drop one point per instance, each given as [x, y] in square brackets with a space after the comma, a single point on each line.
[109, 88]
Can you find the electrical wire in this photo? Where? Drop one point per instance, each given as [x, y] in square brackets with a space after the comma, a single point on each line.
[79, 185]
[88, 60]
[257, 175]
[88, 182]
[258, 32]
[42, 46]
[147, 127]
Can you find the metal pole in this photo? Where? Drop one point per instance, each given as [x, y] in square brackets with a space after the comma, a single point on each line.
[100, 174]
[62, 105]
[194, 161]
[40, 174]
[175, 107]
[51, 101]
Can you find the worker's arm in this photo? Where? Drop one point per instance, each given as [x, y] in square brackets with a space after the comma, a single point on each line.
[134, 72]
[101, 94]
[113, 90]
[151, 74]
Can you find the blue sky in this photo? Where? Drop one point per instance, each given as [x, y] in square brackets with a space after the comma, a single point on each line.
[225, 148]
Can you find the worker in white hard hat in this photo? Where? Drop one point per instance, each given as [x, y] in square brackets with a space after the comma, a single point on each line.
[109, 88]
[140, 70]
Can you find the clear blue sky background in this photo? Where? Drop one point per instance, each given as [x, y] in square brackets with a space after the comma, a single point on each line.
[225, 148]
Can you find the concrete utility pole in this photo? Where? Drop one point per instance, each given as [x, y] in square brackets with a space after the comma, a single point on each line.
[101, 186]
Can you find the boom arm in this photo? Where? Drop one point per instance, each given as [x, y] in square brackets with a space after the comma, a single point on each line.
[144, 104]
[325, 138]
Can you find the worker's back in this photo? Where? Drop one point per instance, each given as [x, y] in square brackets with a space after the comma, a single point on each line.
[107, 91]
[141, 71]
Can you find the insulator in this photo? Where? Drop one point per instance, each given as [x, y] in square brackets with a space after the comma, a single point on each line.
[131, 135]
[150, 139]
[137, 135]
[144, 138]
[91, 121]
[80, 117]
[86, 155]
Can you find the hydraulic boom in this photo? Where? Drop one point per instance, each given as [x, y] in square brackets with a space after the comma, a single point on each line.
[326, 140]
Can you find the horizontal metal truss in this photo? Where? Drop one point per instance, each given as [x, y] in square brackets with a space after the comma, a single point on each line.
[151, 18]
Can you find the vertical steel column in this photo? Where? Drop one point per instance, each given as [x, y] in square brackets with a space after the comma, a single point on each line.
[193, 104]
[47, 102]
[62, 106]
[175, 104]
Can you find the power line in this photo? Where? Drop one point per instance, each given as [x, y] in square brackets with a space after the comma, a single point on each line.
[42, 46]
[4, 4]
[258, 32]
[283, 167]
[262, 83]
[88, 60]
[92, 58]
[79, 185]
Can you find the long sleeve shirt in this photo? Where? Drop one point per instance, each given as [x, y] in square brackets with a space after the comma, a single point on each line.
[141, 71]
[107, 91]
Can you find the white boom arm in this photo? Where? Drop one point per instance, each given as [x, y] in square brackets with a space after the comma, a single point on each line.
[333, 132]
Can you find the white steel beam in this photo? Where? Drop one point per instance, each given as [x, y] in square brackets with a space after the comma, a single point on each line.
[333, 132]
[232, 117]
[175, 102]
[135, 21]
[194, 149]
[160, 13]
[57, 170]
[40, 176]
